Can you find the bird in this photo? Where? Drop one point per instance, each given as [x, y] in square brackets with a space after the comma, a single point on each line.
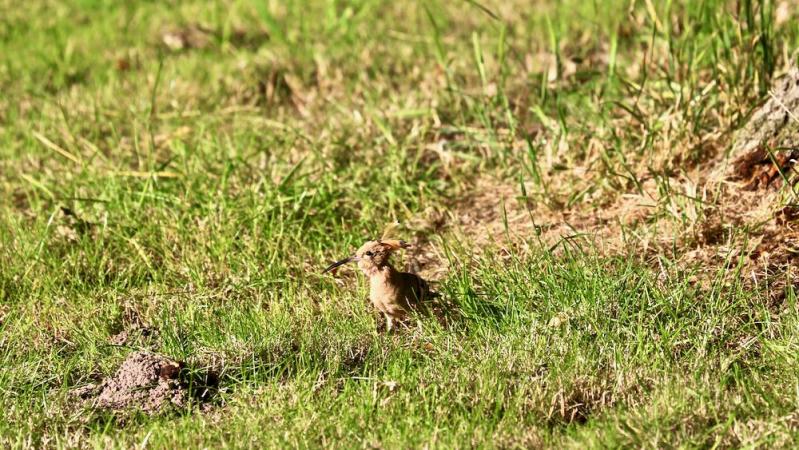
[393, 293]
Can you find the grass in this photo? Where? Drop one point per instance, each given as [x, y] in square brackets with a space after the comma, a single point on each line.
[189, 168]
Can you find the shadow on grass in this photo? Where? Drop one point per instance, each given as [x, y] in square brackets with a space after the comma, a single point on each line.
[467, 307]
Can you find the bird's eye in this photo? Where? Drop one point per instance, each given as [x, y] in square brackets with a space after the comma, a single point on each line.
[369, 253]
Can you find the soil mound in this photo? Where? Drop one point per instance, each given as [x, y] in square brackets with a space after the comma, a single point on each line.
[150, 383]
[146, 381]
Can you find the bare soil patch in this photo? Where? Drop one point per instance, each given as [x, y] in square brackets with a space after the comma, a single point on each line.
[738, 208]
[757, 181]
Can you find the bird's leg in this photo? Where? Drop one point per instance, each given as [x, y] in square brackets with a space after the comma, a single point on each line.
[389, 323]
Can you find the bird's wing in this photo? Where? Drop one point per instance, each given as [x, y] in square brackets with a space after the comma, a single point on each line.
[419, 288]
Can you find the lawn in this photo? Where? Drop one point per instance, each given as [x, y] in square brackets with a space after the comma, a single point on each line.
[174, 177]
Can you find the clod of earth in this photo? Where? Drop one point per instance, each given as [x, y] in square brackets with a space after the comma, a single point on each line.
[71, 227]
[119, 339]
[150, 383]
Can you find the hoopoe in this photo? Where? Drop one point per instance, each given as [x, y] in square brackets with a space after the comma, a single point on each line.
[395, 294]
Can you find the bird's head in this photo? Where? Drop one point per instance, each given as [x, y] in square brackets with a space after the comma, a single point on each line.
[372, 255]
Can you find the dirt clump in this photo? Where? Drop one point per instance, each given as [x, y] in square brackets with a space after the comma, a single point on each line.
[71, 227]
[150, 383]
[119, 339]
[146, 381]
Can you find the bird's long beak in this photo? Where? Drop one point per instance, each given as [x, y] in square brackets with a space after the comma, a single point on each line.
[340, 263]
